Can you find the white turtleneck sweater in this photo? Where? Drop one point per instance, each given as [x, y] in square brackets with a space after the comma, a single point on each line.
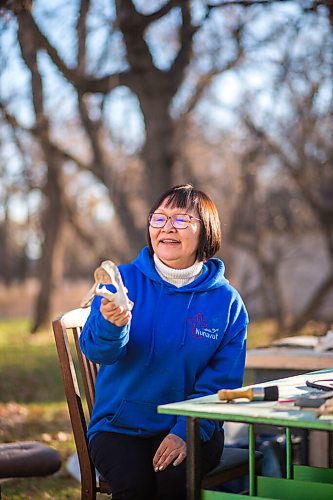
[178, 277]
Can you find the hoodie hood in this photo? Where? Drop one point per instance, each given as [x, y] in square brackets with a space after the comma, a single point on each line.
[212, 275]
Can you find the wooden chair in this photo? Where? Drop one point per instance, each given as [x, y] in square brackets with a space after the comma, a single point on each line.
[67, 330]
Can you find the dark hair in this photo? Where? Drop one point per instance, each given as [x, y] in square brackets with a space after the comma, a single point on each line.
[186, 196]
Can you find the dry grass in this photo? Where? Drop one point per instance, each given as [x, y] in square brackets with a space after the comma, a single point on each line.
[17, 301]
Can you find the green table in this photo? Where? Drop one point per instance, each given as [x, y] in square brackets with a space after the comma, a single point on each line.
[301, 482]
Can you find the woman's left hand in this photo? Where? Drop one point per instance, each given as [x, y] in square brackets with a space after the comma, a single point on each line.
[171, 450]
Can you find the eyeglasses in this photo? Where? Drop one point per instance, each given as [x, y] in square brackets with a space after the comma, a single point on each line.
[178, 221]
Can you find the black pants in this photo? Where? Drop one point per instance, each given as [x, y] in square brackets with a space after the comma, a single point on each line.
[126, 462]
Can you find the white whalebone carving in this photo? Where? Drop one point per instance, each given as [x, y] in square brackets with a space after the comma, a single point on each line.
[108, 273]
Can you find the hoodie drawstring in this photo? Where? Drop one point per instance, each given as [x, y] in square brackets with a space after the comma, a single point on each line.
[186, 319]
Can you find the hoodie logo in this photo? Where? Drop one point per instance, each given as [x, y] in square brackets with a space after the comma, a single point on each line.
[200, 328]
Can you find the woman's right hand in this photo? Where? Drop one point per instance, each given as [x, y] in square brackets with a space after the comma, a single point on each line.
[115, 314]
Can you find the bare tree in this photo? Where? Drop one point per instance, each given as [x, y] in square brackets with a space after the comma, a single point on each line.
[132, 180]
[154, 89]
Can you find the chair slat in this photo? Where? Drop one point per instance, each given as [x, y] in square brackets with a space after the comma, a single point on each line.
[88, 372]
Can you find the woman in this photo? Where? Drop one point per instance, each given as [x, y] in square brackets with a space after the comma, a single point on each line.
[184, 338]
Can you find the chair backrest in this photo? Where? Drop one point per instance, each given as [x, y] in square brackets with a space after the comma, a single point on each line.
[67, 330]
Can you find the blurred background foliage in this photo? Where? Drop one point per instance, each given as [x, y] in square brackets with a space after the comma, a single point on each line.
[106, 104]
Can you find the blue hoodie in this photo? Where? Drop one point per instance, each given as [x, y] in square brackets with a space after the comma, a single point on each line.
[181, 343]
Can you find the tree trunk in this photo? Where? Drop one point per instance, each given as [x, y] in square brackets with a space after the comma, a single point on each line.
[6, 259]
[158, 152]
[51, 261]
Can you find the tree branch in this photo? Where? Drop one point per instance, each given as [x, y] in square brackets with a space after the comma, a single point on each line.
[243, 3]
[132, 25]
[92, 129]
[81, 30]
[73, 217]
[84, 83]
[43, 43]
[65, 155]
[295, 172]
[186, 37]
[205, 80]
[165, 9]
[307, 7]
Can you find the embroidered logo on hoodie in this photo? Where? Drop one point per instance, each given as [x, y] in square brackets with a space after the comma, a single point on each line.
[200, 328]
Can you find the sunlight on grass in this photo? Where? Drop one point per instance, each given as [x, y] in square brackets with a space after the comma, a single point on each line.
[29, 368]
[13, 331]
[57, 487]
[33, 407]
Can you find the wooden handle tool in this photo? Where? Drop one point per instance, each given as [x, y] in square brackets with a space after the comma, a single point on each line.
[270, 393]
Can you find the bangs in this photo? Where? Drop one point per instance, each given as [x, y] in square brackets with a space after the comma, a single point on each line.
[182, 199]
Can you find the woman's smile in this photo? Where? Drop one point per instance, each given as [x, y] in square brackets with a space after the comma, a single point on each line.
[169, 241]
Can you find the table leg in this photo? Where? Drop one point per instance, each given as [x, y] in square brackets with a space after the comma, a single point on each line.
[289, 458]
[252, 461]
[330, 449]
[193, 476]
